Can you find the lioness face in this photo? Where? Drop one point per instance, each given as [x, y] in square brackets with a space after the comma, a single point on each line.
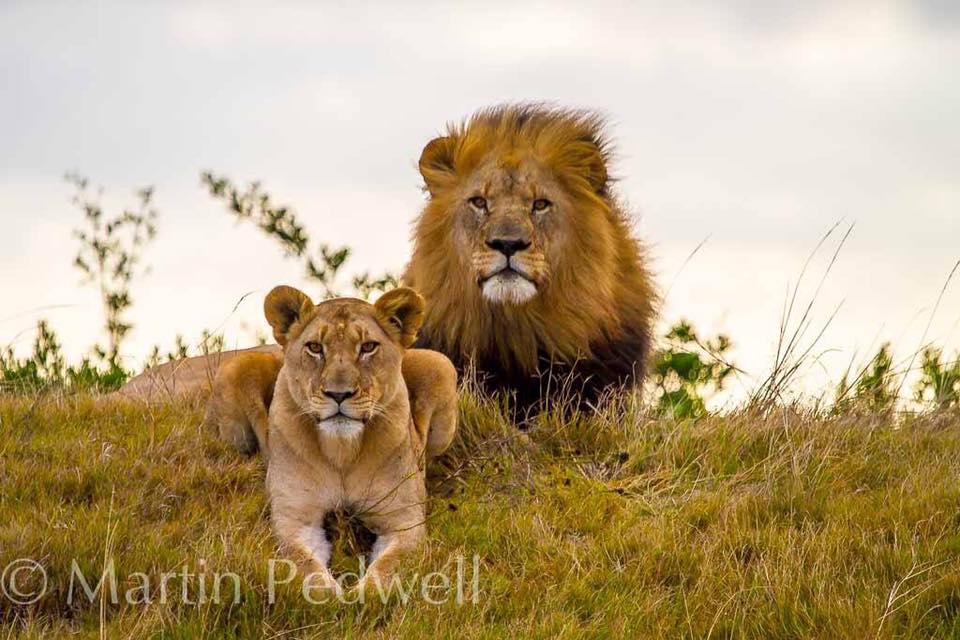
[343, 356]
[340, 359]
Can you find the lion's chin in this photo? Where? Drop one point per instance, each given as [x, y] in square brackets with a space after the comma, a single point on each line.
[508, 287]
[340, 426]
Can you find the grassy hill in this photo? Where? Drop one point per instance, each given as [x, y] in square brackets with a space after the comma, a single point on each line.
[620, 524]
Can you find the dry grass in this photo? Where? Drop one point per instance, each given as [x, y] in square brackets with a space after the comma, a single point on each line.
[619, 524]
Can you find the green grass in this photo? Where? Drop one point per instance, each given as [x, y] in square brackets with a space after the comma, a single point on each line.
[615, 525]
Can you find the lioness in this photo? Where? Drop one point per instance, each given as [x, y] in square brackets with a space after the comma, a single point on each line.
[239, 403]
[341, 431]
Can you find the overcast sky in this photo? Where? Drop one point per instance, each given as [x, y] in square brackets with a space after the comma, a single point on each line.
[756, 127]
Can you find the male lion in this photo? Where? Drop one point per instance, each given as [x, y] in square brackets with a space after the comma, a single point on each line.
[525, 258]
[341, 433]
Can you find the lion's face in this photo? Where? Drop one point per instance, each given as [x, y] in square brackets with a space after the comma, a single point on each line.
[516, 198]
[509, 219]
[343, 357]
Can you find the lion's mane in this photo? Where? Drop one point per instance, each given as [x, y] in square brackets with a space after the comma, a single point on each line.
[591, 323]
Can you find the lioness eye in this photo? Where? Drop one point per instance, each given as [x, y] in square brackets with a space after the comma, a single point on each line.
[478, 202]
[369, 347]
[314, 347]
[541, 204]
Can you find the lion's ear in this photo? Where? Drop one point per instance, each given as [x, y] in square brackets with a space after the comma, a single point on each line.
[401, 311]
[283, 307]
[436, 162]
[589, 159]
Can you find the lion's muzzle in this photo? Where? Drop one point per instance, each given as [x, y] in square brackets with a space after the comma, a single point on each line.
[504, 279]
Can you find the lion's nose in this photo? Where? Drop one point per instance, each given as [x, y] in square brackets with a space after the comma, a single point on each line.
[339, 396]
[508, 246]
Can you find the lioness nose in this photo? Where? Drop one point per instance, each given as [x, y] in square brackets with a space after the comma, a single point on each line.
[339, 396]
[507, 246]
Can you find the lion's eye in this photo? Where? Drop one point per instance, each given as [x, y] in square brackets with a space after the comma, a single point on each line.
[541, 204]
[368, 347]
[478, 203]
[315, 348]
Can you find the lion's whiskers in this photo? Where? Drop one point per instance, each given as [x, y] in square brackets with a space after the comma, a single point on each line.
[377, 410]
[305, 412]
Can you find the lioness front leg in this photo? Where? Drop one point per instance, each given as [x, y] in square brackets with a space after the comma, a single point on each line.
[388, 550]
[309, 542]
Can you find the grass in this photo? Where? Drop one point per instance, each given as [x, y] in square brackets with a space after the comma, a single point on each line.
[620, 524]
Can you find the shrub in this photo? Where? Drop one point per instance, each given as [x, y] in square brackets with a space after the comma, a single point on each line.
[939, 385]
[45, 370]
[686, 368]
[109, 256]
[874, 389]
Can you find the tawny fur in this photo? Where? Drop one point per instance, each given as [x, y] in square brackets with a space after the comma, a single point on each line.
[374, 468]
[184, 377]
[592, 313]
[240, 400]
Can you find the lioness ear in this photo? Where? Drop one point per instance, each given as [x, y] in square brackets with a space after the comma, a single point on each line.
[401, 310]
[436, 162]
[283, 307]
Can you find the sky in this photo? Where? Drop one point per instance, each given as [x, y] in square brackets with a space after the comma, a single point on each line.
[748, 129]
